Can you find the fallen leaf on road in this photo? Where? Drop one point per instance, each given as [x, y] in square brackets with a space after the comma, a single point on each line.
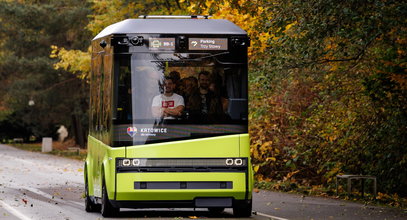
[25, 201]
[256, 190]
[192, 217]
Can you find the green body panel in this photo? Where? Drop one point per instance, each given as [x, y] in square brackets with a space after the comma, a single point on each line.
[126, 191]
[100, 164]
[244, 145]
[245, 152]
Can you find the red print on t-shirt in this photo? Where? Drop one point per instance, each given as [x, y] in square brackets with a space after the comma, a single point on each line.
[167, 104]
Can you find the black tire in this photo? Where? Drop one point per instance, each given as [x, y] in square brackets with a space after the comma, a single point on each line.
[90, 206]
[243, 209]
[216, 210]
[107, 209]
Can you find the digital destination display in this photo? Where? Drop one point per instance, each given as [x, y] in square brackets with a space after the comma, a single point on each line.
[208, 44]
[162, 43]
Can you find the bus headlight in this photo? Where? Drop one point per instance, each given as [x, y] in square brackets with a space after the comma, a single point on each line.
[129, 162]
[235, 162]
[238, 162]
[126, 162]
[229, 162]
[136, 162]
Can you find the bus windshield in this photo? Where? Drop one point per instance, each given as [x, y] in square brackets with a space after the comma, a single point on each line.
[176, 96]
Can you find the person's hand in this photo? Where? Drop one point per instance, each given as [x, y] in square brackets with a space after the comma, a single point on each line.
[165, 112]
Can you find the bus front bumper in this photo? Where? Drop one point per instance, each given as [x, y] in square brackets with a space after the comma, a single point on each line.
[142, 190]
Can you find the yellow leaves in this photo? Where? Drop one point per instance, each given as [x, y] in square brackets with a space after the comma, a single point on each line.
[191, 8]
[54, 51]
[263, 38]
[381, 196]
[290, 174]
[256, 168]
[208, 4]
[334, 67]
[271, 158]
[255, 153]
[246, 19]
[289, 26]
[265, 146]
[261, 149]
[391, 199]
[108, 12]
[75, 61]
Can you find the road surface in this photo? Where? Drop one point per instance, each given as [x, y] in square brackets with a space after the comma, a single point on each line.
[42, 186]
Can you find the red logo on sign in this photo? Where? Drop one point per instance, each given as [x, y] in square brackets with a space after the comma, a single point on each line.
[167, 104]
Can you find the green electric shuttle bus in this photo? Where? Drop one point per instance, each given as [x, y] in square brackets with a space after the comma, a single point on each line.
[169, 116]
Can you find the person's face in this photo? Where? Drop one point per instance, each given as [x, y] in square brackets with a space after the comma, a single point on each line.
[169, 86]
[203, 81]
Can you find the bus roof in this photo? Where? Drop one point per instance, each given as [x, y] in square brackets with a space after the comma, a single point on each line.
[172, 26]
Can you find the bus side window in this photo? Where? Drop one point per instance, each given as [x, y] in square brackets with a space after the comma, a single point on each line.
[124, 99]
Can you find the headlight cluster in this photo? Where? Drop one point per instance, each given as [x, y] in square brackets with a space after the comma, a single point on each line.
[182, 162]
[236, 162]
[131, 162]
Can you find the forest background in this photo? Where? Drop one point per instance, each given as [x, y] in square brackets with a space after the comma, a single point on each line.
[328, 85]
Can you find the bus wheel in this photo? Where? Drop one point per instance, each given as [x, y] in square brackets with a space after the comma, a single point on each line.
[216, 210]
[107, 209]
[90, 206]
[243, 209]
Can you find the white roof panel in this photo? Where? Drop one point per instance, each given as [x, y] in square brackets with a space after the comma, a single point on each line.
[172, 26]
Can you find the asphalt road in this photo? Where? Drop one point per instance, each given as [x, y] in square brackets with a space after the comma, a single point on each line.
[42, 186]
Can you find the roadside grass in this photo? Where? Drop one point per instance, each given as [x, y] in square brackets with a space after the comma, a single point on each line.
[66, 149]
[381, 199]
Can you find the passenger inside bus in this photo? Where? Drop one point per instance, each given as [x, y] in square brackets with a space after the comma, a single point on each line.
[168, 105]
[211, 106]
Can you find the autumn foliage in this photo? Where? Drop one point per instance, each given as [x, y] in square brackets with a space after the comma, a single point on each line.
[328, 85]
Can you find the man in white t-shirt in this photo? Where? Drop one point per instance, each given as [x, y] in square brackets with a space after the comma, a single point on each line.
[168, 105]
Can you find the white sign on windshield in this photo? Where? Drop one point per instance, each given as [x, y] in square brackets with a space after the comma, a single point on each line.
[162, 43]
[208, 44]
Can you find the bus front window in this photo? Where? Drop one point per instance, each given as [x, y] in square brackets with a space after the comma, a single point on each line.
[180, 96]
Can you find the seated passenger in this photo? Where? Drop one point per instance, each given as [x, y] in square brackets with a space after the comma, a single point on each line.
[168, 105]
[211, 106]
